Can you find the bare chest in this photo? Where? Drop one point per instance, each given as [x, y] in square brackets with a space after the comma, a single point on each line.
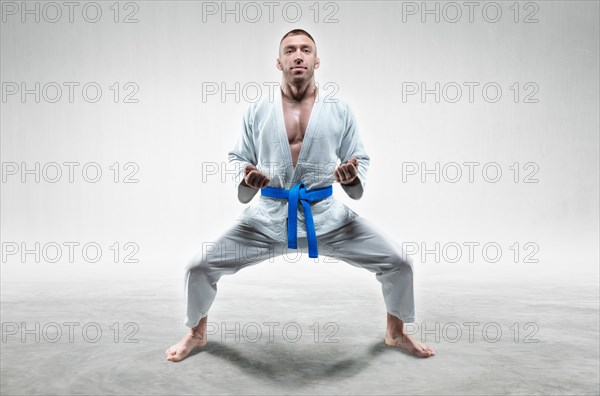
[296, 117]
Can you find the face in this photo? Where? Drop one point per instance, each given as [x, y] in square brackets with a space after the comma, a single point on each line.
[297, 59]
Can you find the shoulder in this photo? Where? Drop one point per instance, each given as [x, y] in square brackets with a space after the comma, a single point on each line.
[339, 108]
[263, 105]
[336, 104]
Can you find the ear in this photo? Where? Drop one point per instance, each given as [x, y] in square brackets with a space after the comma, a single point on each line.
[317, 62]
[278, 64]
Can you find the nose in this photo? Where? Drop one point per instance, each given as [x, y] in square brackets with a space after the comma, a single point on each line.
[298, 57]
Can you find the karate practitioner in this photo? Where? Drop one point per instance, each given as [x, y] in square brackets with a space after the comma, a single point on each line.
[288, 150]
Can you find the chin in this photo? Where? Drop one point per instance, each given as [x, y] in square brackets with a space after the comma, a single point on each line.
[296, 79]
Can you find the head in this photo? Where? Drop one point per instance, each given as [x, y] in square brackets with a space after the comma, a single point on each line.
[297, 57]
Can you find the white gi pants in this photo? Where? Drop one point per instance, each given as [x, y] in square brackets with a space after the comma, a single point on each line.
[358, 243]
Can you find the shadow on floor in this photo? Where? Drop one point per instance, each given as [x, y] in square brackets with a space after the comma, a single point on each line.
[284, 365]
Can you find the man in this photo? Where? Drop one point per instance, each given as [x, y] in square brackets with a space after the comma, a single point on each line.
[296, 141]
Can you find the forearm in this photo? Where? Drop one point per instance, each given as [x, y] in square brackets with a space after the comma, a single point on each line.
[354, 189]
[245, 192]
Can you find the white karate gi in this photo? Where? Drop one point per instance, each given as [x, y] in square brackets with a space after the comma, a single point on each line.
[260, 232]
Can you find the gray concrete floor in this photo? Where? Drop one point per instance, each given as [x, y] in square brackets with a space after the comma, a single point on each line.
[345, 356]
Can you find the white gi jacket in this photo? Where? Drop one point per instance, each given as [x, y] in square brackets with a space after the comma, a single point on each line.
[331, 135]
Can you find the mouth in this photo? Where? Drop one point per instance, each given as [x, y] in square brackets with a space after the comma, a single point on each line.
[299, 67]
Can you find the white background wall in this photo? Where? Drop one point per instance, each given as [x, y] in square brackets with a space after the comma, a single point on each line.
[370, 53]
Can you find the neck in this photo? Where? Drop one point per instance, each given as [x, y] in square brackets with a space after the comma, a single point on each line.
[298, 93]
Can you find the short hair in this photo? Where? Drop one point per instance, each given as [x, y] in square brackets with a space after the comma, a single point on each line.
[296, 32]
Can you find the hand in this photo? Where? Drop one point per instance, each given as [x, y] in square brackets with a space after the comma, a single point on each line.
[255, 179]
[347, 173]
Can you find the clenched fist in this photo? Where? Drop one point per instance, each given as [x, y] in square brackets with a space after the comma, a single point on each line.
[254, 178]
[347, 173]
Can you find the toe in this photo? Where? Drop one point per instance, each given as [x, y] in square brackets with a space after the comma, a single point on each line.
[178, 357]
[172, 358]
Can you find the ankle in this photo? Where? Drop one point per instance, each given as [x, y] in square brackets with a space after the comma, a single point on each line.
[395, 333]
[197, 334]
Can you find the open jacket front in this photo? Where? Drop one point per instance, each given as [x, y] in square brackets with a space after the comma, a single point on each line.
[331, 136]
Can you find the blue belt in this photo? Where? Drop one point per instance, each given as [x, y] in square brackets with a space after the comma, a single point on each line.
[295, 194]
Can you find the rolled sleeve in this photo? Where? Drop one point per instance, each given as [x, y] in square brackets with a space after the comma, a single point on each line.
[242, 154]
[352, 146]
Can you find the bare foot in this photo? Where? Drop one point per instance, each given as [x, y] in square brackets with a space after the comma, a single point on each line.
[410, 344]
[194, 339]
[183, 348]
[395, 337]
